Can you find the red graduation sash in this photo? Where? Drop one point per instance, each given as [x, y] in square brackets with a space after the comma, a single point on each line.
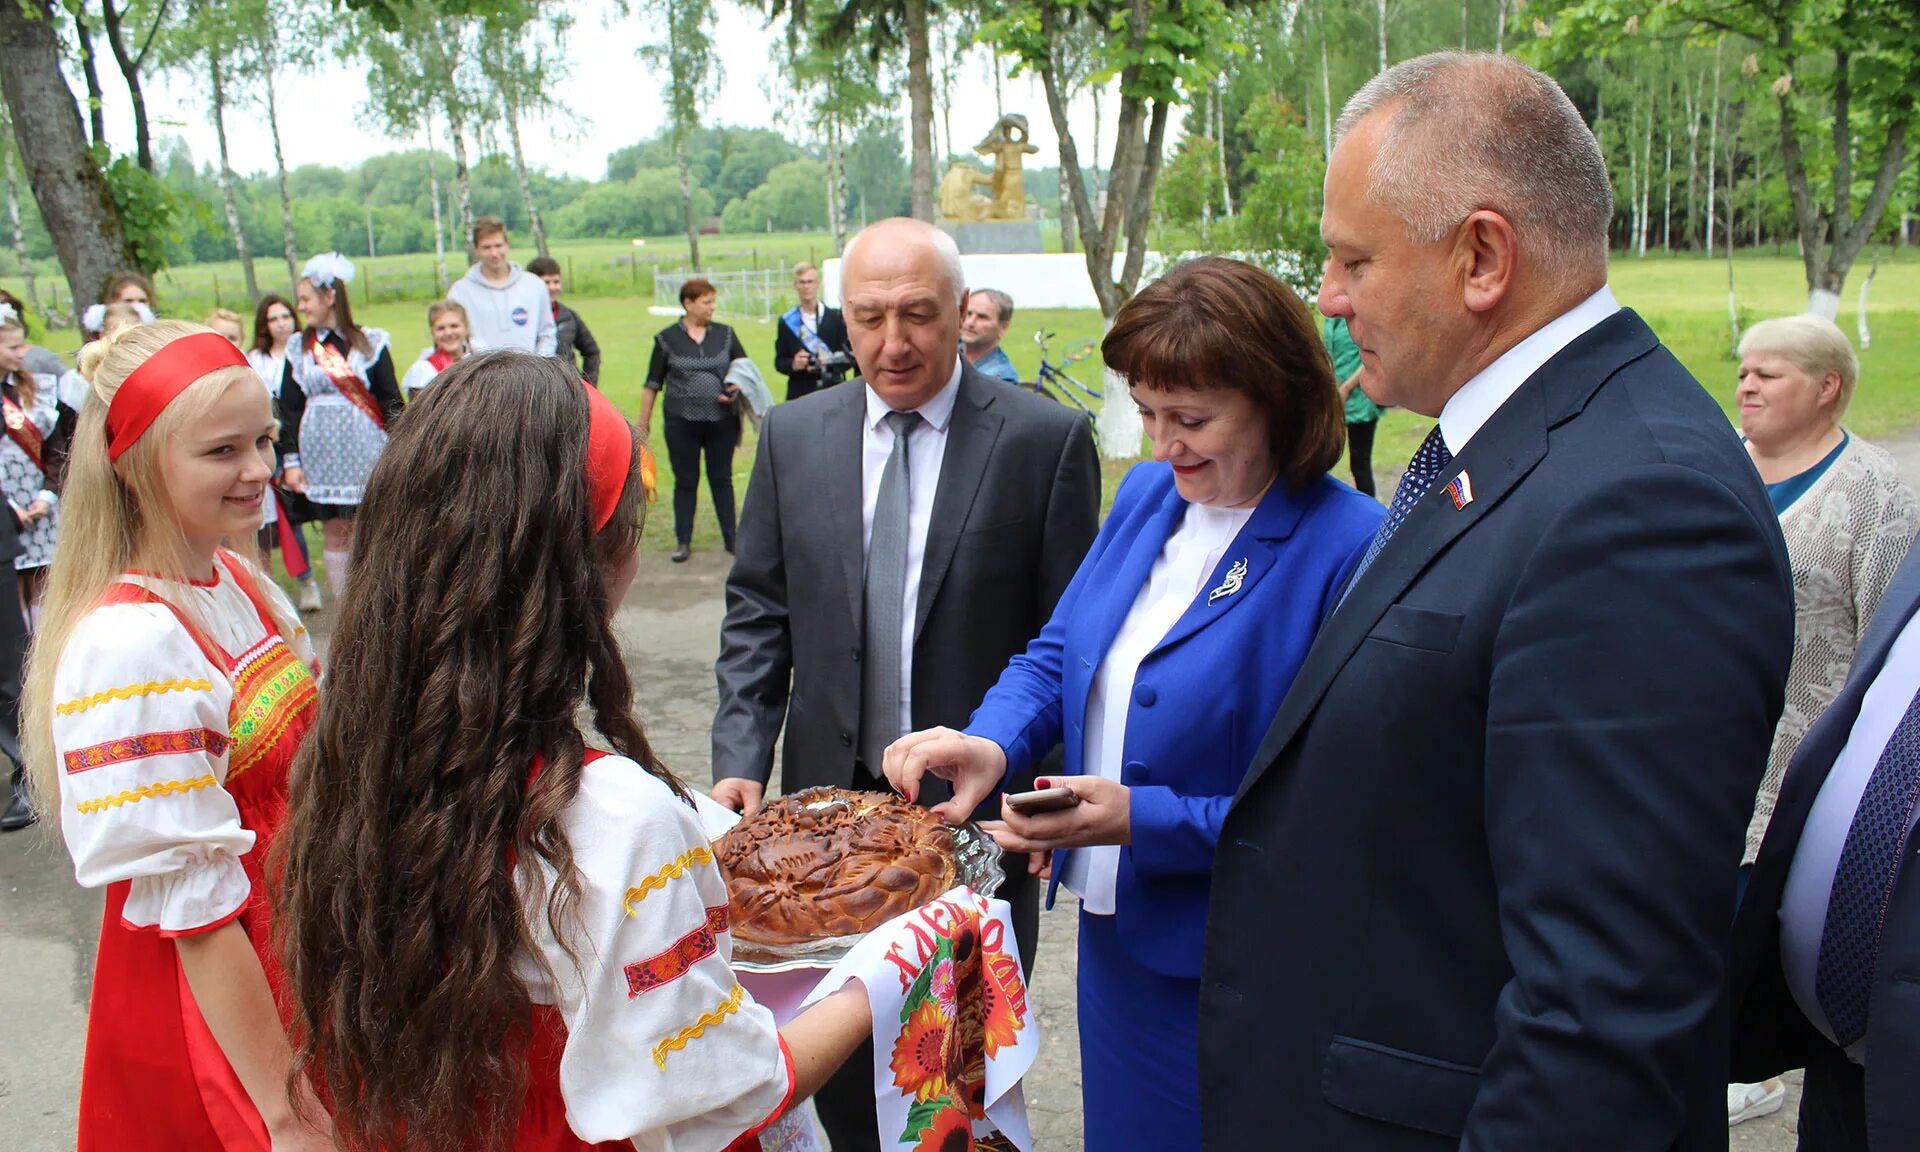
[23, 431]
[335, 366]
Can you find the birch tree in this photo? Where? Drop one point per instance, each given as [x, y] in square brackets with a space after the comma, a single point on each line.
[1843, 76]
[691, 79]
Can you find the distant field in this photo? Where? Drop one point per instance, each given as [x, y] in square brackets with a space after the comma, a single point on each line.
[1684, 298]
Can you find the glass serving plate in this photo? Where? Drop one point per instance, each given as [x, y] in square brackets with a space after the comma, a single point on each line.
[976, 864]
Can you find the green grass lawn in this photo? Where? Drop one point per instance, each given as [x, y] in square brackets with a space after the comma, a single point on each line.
[1684, 298]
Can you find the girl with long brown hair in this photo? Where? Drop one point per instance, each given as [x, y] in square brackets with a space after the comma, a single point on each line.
[166, 692]
[496, 937]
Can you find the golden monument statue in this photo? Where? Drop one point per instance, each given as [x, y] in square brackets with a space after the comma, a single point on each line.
[1007, 146]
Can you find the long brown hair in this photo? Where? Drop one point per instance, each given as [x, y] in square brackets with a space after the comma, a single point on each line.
[466, 643]
[262, 338]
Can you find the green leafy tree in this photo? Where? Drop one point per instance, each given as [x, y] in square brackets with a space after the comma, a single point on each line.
[789, 200]
[1158, 49]
[1280, 201]
[648, 204]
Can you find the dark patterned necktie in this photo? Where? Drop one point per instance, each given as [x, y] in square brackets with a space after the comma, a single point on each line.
[1863, 882]
[1425, 467]
[886, 593]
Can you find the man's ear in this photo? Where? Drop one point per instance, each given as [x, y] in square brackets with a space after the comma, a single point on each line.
[1488, 252]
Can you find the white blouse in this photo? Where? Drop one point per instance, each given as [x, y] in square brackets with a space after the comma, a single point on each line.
[664, 1047]
[141, 727]
[1179, 575]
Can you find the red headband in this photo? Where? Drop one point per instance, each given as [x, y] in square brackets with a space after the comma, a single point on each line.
[148, 389]
[609, 455]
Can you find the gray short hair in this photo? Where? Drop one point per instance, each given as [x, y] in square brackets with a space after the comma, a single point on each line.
[1813, 344]
[1001, 301]
[1472, 131]
[943, 246]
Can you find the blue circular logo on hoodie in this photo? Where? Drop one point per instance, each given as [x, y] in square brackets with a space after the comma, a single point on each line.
[519, 317]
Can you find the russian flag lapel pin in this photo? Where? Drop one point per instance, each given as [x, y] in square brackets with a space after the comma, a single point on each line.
[1461, 489]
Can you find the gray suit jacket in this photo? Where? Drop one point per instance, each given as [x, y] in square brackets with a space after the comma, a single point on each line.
[1018, 504]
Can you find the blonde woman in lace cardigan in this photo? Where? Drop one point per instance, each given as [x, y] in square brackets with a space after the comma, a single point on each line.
[1848, 521]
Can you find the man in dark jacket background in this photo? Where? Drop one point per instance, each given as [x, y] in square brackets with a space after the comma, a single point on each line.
[570, 332]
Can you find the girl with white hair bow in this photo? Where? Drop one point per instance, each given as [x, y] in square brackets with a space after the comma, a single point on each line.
[339, 392]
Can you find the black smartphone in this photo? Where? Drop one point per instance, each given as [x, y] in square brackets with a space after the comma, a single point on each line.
[1043, 800]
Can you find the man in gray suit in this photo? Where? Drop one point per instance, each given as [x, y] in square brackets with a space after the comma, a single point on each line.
[902, 539]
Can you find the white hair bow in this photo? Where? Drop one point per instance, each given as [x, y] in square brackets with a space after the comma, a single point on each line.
[324, 270]
[145, 313]
[8, 315]
[93, 317]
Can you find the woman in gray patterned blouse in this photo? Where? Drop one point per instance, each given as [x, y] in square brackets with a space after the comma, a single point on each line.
[1848, 520]
[690, 361]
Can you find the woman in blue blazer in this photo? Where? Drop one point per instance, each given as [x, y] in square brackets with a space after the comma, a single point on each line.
[1163, 664]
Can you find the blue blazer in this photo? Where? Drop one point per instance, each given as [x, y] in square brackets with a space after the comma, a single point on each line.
[1202, 698]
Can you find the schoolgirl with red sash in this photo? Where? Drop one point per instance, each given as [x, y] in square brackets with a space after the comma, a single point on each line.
[337, 398]
[165, 703]
[577, 889]
[447, 322]
[31, 454]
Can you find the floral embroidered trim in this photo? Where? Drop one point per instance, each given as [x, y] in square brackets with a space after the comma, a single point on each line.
[129, 691]
[677, 961]
[698, 1028]
[279, 692]
[145, 792]
[147, 744]
[674, 870]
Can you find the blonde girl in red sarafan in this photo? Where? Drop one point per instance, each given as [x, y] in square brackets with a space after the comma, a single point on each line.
[166, 693]
[494, 935]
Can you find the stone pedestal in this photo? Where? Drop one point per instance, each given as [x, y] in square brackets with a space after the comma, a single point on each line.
[994, 237]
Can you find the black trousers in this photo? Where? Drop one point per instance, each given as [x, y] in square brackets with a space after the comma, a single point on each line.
[1833, 1103]
[845, 1101]
[13, 652]
[1360, 453]
[687, 440]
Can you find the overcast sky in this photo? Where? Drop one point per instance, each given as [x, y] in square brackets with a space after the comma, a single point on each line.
[611, 99]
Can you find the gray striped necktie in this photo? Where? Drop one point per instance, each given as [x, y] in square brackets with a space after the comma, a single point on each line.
[885, 598]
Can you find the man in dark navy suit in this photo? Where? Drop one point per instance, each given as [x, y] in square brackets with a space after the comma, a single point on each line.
[1475, 890]
[1826, 957]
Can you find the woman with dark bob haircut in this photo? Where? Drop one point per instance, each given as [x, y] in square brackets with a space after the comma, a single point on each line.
[463, 878]
[1163, 664]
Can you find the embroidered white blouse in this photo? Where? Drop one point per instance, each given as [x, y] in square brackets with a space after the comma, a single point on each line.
[664, 1047]
[141, 727]
[1179, 575]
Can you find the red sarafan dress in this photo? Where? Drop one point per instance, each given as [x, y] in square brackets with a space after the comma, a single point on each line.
[642, 1036]
[177, 711]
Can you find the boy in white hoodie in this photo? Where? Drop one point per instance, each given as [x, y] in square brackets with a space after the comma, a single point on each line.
[506, 308]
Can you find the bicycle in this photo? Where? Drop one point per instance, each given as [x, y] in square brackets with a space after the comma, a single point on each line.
[1054, 383]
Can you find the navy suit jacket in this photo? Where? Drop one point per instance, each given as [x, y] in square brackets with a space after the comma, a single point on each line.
[1474, 893]
[1202, 697]
[1770, 1033]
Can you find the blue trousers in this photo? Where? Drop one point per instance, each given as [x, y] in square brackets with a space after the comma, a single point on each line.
[1139, 1049]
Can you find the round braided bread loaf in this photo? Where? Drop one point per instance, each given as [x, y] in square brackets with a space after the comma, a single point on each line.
[829, 862]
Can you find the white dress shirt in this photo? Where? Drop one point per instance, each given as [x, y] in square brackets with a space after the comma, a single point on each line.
[1179, 575]
[1469, 409]
[1803, 903]
[926, 449]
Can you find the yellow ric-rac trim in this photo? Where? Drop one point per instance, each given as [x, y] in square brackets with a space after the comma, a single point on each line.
[146, 792]
[129, 691]
[673, 871]
[698, 1028]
